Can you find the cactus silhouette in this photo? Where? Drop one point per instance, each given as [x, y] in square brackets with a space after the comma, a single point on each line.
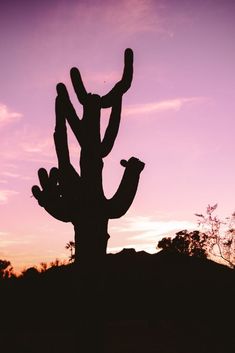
[79, 198]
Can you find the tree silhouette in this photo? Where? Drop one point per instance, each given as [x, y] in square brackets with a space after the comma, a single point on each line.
[79, 198]
[5, 271]
[70, 246]
[185, 242]
[220, 234]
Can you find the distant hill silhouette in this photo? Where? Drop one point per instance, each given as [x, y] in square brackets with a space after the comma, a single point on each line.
[192, 294]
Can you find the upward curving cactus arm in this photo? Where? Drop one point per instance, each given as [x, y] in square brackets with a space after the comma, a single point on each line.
[124, 84]
[118, 90]
[60, 191]
[68, 111]
[112, 128]
[119, 204]
[78, 85]
[69, 178]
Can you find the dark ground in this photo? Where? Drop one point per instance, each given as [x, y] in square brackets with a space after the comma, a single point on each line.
[163, 303]
[168, 336]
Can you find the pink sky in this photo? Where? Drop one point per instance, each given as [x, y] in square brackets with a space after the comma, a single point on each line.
[178, 117]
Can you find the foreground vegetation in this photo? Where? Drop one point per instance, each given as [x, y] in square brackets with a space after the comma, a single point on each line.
[177, 300]
[171, 301]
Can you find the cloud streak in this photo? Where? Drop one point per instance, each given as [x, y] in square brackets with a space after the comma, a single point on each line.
[12, 242]
[6, 194]
[7, 115]
[11, 175]
[134, 16]
[141, 229]
[166, 105]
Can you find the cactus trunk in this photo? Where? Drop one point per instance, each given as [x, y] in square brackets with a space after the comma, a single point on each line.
[91, 240]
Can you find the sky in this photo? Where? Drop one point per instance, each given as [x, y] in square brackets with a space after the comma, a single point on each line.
[178, 116]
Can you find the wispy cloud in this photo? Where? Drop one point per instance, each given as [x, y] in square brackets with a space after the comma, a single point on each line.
[10, 174]
[6, 194]
[41, 146]
[147, 229]
[38, 149]
[107, 19]
[165, 105]
[7, 115]
[5, 243]
[134, 16]
[15, 244]
[25, 144]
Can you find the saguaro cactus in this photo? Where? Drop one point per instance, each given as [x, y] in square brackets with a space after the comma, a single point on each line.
[80, 199]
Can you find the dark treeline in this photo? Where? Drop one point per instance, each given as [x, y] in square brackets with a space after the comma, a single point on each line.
[167, 293]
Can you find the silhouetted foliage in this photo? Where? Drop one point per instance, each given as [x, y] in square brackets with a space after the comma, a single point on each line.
[185, 294]
[220, 234]
[71, 247]
[185, 242]
[43, 267]
[216, 238]
[4, 264]
[30, 273]
[55, 263]
[5, 269]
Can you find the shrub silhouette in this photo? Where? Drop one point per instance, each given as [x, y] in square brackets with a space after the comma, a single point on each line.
[220, 235]
[5, 269]
[185, 242]
[71, 246]
[30, 273]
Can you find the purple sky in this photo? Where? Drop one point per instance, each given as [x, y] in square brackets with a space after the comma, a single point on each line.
[178, 116]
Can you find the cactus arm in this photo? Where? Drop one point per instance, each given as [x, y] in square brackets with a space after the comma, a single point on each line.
[124, 84]
[60, 135]
[68, 175]
[49, 196]
[78, 85]
[69, 180]
[62, 186]
[118, 90]
[112, 129]
[54, 208]
[66, 108]
[119, 204]
[59, 193]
